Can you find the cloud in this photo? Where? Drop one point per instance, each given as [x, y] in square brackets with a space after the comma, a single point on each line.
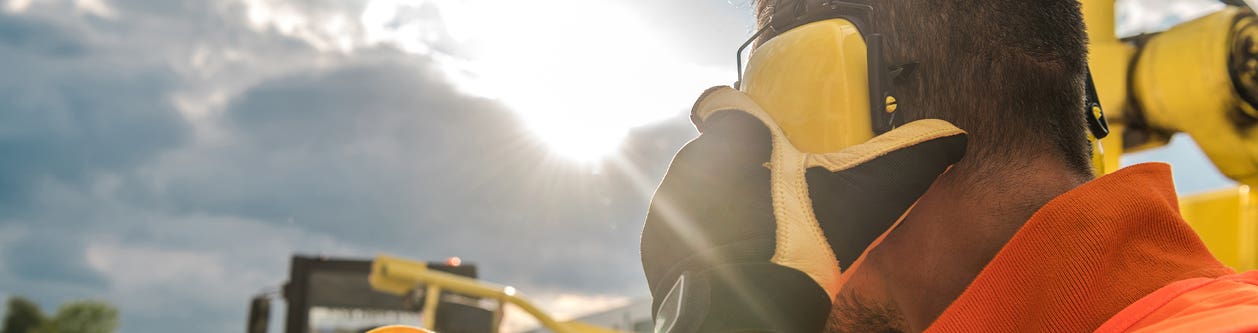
[67, 115]
[172, 170]
[28, 259]
[17, 6]
[386, 156]
[1146, 16]
[96, 7]
[387, 153]
[23, 34]
[195, 273]
[549, 68]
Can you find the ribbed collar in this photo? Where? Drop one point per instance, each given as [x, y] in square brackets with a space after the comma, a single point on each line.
[1084, 257]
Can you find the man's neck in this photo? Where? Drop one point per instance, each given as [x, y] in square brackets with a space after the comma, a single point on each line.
[957, 228]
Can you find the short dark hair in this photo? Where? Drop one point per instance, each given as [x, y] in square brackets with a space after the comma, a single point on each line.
[1011, 72]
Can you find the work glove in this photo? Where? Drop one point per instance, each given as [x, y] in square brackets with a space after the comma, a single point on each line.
[748, 234]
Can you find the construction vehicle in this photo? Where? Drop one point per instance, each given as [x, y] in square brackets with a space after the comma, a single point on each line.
[333, 295]
[401, 277]
[365, 294]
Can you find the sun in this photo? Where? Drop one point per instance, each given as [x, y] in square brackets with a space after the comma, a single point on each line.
[585, 143]
[581, 83]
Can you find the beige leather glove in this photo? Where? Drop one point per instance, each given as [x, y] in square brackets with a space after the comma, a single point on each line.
[747, 233]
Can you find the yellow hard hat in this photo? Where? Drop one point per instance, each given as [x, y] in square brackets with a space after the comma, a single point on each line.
[398, 329]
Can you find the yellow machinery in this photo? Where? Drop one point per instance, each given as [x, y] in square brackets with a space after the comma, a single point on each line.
[1226, 222]
[1199, 78]
[402, 277]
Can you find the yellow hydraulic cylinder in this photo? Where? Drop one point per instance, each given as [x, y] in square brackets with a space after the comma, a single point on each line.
[1184, 83]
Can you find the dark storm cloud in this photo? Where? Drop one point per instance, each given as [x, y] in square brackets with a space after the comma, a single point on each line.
[66, 116]
[52, 257]
[38, 37]
[387, 153]
[357, 155]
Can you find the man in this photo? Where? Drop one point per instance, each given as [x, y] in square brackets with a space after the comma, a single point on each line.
[1018, 235]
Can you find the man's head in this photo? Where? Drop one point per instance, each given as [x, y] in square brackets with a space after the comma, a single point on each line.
[1011, 73]
[1008, 71]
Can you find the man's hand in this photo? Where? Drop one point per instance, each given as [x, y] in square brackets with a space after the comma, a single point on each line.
[748, 234]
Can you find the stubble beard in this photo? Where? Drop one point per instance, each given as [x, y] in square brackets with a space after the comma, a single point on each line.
[853, 313]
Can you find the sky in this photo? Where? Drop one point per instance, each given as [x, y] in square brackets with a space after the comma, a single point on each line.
[170, 155]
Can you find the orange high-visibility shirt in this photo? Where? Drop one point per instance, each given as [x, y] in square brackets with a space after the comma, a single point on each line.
[1113, 255]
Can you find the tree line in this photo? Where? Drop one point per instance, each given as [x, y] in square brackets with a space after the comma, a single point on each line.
[24, 316]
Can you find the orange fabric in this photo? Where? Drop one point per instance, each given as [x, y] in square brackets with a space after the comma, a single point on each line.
[1228, 304]
[1084, 257]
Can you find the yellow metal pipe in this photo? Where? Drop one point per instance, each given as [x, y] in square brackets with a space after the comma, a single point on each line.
[400, 276]
[1185, 82]
[431, 296]
[1099, 15]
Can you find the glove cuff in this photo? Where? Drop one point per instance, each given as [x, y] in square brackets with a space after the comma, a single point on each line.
[751, 297]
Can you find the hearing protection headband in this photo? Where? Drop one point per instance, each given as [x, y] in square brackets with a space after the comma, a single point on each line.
[881, 78]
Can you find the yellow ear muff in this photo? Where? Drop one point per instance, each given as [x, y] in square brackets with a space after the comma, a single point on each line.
[814, 81]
